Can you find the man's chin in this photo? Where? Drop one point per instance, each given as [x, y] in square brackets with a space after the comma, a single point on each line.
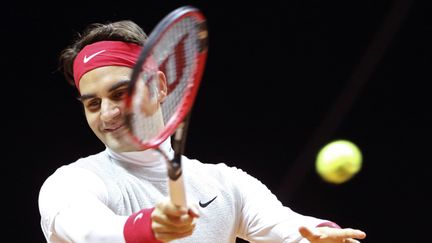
[122, 146]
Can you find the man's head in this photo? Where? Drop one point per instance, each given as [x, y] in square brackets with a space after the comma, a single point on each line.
[100, 64]
[125, 31]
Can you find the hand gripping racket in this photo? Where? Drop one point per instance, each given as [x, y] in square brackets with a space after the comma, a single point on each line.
[163, 87]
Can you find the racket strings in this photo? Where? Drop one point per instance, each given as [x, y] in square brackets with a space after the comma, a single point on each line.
[175, 55]
[179, 64]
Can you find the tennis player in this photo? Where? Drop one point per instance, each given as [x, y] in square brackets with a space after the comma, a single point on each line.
[120, 194]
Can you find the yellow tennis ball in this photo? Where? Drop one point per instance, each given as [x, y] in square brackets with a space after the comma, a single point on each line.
[338, 161]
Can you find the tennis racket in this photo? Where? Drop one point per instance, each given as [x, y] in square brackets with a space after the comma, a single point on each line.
[163, 87]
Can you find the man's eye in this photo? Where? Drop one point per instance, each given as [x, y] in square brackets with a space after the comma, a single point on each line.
[120, 94]
[93, 105]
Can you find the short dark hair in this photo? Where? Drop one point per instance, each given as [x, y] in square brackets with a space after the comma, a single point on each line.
[124, 30]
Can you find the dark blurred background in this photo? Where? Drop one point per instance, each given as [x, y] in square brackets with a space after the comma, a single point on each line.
[283, 78]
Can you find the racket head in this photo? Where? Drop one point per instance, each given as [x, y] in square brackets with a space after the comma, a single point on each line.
[165, 80]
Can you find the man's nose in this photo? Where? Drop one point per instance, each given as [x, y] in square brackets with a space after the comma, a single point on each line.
[109, 110]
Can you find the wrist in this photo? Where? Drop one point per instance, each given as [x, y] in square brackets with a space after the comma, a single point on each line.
[329, 224]
[137, 228]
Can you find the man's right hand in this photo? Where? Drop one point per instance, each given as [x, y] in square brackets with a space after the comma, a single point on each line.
[170, 222]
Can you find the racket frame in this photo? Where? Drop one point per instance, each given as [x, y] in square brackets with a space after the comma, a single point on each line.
[187, 103]
[178, 123]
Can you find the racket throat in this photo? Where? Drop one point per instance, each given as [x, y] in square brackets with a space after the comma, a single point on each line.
[175, 168]
[179, 139]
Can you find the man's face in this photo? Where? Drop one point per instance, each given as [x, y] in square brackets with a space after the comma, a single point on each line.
[103, 91]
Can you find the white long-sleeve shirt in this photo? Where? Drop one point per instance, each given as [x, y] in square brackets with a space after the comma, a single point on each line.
[90, 199]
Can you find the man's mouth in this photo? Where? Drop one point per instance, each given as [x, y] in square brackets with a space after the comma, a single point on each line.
[115, 130]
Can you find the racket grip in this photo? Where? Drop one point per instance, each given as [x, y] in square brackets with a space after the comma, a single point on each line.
[177, 191]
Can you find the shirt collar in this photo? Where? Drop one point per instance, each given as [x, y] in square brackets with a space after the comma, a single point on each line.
[147, 158]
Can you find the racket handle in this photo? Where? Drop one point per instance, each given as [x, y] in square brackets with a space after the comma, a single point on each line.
[177, 191]
[176, 183]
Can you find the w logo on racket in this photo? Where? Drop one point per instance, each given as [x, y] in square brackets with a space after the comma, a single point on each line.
[176, 64]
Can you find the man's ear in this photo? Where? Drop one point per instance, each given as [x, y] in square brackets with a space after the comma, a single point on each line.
[162, 86]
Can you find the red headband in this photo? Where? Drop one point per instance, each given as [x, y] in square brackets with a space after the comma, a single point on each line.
[104, 53]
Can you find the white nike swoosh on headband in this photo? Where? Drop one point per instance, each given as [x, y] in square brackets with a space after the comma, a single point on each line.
[87, 59]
